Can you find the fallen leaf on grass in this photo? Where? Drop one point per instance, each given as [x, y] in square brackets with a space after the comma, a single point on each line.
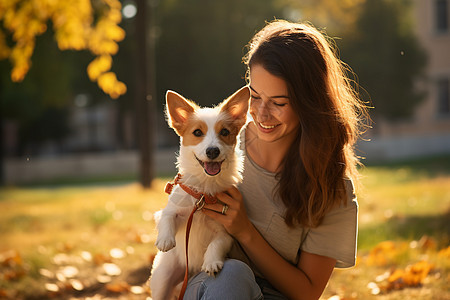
[118, 287]
[12, 265]
[381, 254]
[65, 246]
[412, 276]
[427, 243]
[10, 275]
[11, 258]
[100, 259]
[4, 294]
[444, 253]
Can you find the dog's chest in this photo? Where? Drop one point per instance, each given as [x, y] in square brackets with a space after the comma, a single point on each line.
[202, 233]
[203, 230]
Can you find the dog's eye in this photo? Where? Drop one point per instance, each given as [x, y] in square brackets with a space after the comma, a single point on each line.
[197, 132]
[224, 132]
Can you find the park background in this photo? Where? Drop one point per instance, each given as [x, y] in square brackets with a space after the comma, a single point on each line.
[85, 149]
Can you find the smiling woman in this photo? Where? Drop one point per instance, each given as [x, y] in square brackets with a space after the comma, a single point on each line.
[294, 217]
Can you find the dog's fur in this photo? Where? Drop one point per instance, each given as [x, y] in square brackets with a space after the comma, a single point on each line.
[210, 162]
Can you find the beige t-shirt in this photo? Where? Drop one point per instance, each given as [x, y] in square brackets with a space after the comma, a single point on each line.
[335, 237]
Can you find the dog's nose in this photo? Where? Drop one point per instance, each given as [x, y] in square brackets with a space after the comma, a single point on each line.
[212, 152]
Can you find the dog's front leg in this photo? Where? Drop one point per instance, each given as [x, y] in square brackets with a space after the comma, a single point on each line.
[216, 252]
[166, 230]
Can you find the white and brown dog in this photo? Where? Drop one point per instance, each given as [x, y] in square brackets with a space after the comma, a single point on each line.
[209, 162]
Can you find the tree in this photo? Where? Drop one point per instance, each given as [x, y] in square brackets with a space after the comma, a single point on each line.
[376, 39]
[202, 42]
[77, 25]
[145, 94]
[336, 16]
[387, 57]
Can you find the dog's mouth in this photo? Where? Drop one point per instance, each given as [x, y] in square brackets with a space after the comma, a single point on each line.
[211, 168]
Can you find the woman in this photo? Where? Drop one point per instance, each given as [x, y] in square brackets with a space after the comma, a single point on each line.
[294, 217]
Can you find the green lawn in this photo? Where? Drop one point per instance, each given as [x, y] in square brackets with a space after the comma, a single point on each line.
[92, 240]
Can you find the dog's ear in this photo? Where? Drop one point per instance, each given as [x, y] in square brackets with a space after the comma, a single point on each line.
[178, 110]
[236, 106]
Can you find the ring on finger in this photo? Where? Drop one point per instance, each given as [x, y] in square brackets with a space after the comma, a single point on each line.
[224, 209]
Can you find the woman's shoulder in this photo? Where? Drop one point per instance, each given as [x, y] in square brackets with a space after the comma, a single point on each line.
[350, 191]
[347, 207]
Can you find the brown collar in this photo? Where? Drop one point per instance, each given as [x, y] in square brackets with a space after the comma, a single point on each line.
[209, 199]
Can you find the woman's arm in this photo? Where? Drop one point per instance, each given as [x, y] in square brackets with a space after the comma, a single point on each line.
[307, 280]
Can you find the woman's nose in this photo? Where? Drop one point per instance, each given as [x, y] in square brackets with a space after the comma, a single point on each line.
[263, 111]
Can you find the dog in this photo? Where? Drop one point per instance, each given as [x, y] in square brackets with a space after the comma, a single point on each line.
[209, 162]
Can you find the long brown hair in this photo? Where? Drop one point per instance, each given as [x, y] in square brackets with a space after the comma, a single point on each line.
[311, 181]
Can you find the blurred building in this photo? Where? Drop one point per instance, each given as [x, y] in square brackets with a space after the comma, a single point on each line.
[428, 132]
[92, 150]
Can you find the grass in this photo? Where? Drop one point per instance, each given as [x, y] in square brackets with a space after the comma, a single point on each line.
[405, 201]
[46, 228]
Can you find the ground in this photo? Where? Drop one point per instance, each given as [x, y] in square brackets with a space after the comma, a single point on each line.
[96, 241]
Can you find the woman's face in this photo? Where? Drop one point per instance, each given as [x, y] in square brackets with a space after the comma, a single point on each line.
[270, 106]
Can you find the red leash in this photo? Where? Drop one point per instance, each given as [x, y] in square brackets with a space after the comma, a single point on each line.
[202, 199]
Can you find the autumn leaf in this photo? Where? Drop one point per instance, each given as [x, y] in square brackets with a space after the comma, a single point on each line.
[11, 258]
[381, 254]
[100, 259]
[411, 276]
[118, 287]
[445, 253]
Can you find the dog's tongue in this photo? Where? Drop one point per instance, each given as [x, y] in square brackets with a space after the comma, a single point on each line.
[212, 168]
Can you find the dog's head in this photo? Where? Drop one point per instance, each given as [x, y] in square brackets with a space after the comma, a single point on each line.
[208, 136]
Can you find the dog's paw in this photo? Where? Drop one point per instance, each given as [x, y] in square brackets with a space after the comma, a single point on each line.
[165, 244]
[212, 268]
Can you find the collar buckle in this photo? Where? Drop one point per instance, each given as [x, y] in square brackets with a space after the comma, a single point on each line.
[200, 203]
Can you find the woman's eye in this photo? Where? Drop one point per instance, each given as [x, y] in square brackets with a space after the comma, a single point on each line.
[198, 132]
[254, 97]
[224, 132]
[280, 104]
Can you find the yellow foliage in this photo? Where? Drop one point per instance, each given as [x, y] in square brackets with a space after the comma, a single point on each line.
[98, 66]
[74, 27]
[108, 82]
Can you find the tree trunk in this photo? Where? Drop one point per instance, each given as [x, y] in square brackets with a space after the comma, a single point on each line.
[145, 95]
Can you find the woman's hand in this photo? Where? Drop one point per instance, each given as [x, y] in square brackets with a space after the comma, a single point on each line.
[235, 219]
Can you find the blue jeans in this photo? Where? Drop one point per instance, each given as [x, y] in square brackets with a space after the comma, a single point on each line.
[235, 281]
